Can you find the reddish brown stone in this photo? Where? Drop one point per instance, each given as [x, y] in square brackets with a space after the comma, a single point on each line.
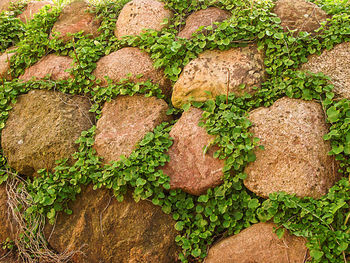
[258, 244]
[130, 60]
[205, 17]
[190, 169]
[53, 65]
[116, 232]
[138, 15]
[211, 71]
[31, 9]
[7, 226]
[295, 158]
[74, 18]
[42, 127]
[124, 123]
[299, 15]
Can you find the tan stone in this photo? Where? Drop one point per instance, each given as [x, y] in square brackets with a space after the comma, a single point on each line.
[74, 18]
[299, 15]
[4, 5]
[138, 15]
[31, 9]
[205, 17]
[130, 60]
[334, 63]
[5, 63]
[7, 226]
[42, 127]
[53, 65]
[212, 70]
[190, 169]
[295, 159]
[124, 123]
[114, 232]
[258, 244]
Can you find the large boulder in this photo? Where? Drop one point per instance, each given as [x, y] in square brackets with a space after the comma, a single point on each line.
[242, 67]
[190, 168]
[259, 244]
[299, 15]
[110, 231]
[5, 63]
[124, 123]
[130, 60]
[31, 9]
[42, 127]
[53, 65]
[334, 63]
[295, 159]
[74, 18]
[138, 15]
[205, 17]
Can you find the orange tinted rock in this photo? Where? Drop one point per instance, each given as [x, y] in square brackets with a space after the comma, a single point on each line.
[74, 18]
[124, 123]
[31, 9]
[5, 63]
[116, 232]
[299, 15]
[138, 15]
[7, 227]
[258, 244]
[334, 63]
[211, 71]
[130, 60]
[189, 168]
[295, 159]
[205, 17]
[53, 65]
[42, 127]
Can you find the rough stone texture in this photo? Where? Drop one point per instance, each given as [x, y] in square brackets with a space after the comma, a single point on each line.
[6, 231]
[4, 5]
[205, 17]
[138, 15]
[334, 63]
[124, 122]
[75, 18]
[4, 63]
[131, 60]
[295, 158]
[211, 71]
[189, 169]
[31, 9]
[52, 65]
[112, 231]
[300, 15]
[42, 127]
[258, 244]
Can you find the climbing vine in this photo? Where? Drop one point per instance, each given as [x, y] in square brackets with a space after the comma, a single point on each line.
[226, 209]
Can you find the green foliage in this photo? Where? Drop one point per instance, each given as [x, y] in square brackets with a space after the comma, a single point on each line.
[226, 209]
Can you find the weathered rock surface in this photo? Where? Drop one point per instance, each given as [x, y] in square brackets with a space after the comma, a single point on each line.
[189, 168]
[42, 128]
[114, 231]
[4, 63]
[75, 18]
[138, 15]
[299, 15]
[53, 65]
[295, 158]
[334, 63]
[125, 121]
[4, 5]
[31, 9]
[6, 231]
[205, 17]
[212, 70]
[258, 244]
[130, 60]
